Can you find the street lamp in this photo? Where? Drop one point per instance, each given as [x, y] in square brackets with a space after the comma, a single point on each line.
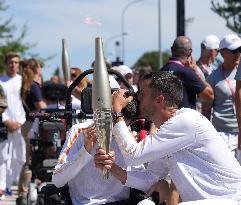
[159, 34]
[122, 26]
[110, 39]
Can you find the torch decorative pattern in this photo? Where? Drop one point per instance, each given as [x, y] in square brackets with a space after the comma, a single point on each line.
[101, 100]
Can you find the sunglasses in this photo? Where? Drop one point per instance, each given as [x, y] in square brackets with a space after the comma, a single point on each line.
[238, 50]
[73, 75]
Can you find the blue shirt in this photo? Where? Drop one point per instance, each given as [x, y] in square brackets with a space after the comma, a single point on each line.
[34, 96]
[192, 85]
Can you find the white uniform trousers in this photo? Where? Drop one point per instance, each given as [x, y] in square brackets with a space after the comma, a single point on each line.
[3, 163]
[17, 156]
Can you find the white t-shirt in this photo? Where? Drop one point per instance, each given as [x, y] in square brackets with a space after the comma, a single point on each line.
[12, 88]
[189, 147]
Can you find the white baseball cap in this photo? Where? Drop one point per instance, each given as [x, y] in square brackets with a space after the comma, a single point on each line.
[211, 42]
[230, 41]
[123, 69]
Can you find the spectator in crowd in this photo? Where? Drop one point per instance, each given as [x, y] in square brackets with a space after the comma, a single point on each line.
[3, 146]
[55, 79]
[112, 80]
[140, 71]
[31, 87]
[13, 117]
[186, 144]
[223, 115]
[76, 98]
[32, 98]
[209, 52]
[194, 83]
[127, 74]
[238, 104]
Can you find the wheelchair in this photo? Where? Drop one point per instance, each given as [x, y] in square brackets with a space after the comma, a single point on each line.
[45, 149]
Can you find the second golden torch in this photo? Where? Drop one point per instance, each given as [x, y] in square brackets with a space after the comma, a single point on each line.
[101, 101]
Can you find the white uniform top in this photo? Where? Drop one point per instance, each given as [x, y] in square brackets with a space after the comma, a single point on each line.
[12, 89]
[76, 167]
[187, 145]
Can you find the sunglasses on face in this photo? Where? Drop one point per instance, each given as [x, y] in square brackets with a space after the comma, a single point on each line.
[238, 50]
[73, 75]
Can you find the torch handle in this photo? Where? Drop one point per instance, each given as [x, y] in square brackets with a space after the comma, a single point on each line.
[106, 173]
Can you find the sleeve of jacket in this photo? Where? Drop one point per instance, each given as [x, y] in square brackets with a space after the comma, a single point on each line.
[73, 156]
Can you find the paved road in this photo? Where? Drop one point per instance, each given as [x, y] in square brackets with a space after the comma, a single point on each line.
[10, 200]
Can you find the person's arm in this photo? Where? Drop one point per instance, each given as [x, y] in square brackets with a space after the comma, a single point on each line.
[207, 105]
[12, 125]
[138, 178]
[206, 109]
[157, 145]
[37, 97]
[238, 109]
[40, 105]
[206, 93]
[73, 157]
[176, 135]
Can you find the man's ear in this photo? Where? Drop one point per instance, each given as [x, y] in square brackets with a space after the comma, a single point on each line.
[190, 53]
[159, 99]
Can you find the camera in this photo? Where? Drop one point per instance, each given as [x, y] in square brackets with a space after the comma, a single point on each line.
[131, 111]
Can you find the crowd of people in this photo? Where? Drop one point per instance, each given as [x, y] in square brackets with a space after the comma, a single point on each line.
[184, 144]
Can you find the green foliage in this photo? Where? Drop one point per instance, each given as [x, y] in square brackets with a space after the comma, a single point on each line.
[8, 41]
[152, 59]
[230, 10]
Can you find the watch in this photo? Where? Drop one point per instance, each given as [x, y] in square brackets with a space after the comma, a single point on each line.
[116, 115]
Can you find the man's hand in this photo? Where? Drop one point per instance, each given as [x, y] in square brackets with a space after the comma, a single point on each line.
[120, 100]
[104, 160]
[90, 139]
[191, 63]
[162, 187]
[12, 125]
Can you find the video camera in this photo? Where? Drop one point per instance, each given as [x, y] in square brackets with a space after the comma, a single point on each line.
[131, 111]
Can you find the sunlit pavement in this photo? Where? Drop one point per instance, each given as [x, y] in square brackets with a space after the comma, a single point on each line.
[10, 200]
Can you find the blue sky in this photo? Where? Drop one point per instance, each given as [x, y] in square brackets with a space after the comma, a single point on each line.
[49, 21]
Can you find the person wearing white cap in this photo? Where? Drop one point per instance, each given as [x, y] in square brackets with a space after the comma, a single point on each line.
[209, 52]
[238, 104]
[127, 74]
[224, 85]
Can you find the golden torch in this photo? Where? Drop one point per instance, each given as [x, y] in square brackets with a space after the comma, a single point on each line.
[102, 101]
[65, 61]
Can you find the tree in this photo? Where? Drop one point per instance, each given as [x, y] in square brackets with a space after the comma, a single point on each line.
[152, 59]
[8, 40]
[230, 10]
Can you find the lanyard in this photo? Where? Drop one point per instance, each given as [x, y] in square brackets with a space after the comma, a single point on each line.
[228, 83]
[230, 88]
[176, 62]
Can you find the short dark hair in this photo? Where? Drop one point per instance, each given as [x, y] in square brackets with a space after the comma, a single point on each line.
[11, 55]
[167, 84]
